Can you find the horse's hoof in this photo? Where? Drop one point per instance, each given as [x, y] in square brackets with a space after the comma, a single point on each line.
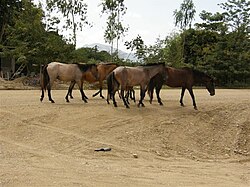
[195, 108]
[102, 97]
[52, 101]
[182, 105]
[127, 106]
[161, 104]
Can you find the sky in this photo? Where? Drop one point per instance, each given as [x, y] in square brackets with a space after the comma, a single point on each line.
[151, 19]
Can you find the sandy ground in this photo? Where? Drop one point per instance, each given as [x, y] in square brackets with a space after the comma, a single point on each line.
[44, 144]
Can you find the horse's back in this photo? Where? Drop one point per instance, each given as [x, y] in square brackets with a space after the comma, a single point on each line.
[179, 77]
[129, 76]
[64, 72]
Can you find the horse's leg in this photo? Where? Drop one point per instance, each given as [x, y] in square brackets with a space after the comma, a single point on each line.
[42, 96]
[95, 94]
[71, 89]
[120, 96]
[72, 84]
[127, 96]
[151, 95]
[132, 94]
[157, 90]
[112, 95]
[182, 94]
[49, 93]
[124, 99]
[100, 91]
[80, 84]
[142, 94]
[192, 95]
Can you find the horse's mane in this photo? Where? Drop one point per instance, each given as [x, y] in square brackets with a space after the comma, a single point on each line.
[108, 63]
[199, 73]
[196, 72]
[84, 67]
[153, 64]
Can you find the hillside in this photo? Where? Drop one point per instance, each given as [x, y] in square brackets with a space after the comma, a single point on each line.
[121, 54]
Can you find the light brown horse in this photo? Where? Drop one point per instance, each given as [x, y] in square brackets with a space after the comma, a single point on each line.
[66, 72]
[128, 77]
[185, 78]
[103, 70]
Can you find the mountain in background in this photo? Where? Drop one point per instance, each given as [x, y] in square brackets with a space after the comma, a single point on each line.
[121, 54]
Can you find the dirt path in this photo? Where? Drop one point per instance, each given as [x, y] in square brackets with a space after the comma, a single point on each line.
[44, 144]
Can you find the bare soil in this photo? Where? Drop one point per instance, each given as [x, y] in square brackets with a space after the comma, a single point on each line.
[45, 144]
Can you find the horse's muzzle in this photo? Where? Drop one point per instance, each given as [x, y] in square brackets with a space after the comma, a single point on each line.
[212, 94]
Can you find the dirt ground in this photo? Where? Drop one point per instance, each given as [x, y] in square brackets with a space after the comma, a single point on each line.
[45, 144]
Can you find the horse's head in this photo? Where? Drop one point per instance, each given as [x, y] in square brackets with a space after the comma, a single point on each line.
[209, 82]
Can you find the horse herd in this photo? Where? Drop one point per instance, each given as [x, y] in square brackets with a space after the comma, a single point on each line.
[123, 79]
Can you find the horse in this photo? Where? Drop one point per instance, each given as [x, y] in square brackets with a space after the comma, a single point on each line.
[128, 77]
[66, 72]
[185, 78]
[103, 70]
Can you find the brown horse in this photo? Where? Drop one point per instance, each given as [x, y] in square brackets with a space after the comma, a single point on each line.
[185, 78]
[66, 72]
[128, 77]
[103, 70]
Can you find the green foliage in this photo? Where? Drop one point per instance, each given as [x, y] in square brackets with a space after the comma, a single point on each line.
[90, 54]
[138, 46]
[173, 50]
[74, 11]
[30, 41]
[8, 11]
[220, 45]
[185, 15]
[114, 30]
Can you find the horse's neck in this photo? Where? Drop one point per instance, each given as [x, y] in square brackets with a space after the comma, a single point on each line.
[153, 71]
[199, 77]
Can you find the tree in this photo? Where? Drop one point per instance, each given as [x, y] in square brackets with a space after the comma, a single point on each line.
[8, 11]
[184, 18]
[213, 22]
[173, 50]
[73, 10]
[31, 41]
[185, 15]
[237, 14]
[138, 45]
[115, 9]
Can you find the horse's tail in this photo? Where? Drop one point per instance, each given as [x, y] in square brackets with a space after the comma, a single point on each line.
[113, 85]
[110, 85]
[44, 78]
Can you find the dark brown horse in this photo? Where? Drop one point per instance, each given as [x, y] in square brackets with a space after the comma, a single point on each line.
[103, 70]
[185, 78]
[127, 77]
[65, 72]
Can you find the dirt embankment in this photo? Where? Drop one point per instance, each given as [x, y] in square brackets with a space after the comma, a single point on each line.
[45, 144]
